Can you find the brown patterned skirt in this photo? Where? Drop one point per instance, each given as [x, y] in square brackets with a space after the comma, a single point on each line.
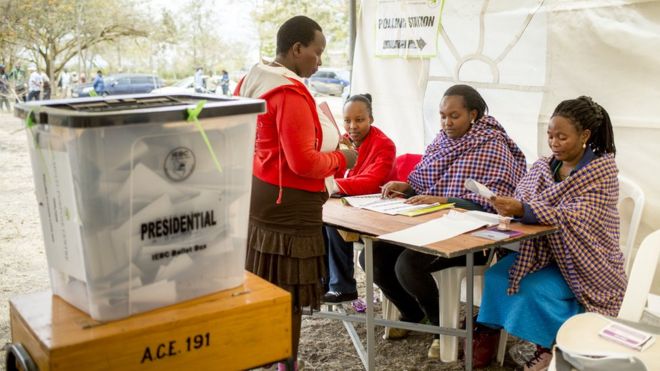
[285, 242]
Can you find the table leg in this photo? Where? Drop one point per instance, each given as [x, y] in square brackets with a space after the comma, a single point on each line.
[469, 299]
[371, 339]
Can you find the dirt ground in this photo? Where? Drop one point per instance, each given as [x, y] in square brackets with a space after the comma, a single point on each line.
[325, 344]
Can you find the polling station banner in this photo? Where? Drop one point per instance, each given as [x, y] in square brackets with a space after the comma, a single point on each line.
[407, 28]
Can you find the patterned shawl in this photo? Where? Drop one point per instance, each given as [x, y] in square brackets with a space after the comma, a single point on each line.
[586, 247]
[485, 153]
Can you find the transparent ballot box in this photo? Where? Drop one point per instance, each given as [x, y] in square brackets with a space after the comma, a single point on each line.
[143, 200]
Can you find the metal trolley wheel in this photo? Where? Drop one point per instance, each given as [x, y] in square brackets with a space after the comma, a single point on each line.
[18, 359]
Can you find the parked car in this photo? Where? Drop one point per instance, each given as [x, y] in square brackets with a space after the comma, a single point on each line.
[184, 86]
[122, 83]
[187, 86]
[329, 81]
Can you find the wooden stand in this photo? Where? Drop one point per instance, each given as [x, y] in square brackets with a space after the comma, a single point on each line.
[234, 329]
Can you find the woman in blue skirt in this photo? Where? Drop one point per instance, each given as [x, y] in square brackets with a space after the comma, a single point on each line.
[578, 268]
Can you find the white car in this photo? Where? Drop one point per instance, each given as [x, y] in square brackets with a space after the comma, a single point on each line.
[329, 81]
[187, 86]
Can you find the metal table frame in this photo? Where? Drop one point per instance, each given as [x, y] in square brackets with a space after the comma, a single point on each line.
[336, 312]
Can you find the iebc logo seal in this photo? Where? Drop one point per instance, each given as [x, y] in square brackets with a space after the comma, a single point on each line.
[179, 164]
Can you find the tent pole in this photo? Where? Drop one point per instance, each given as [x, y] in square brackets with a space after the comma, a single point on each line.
[352, 33]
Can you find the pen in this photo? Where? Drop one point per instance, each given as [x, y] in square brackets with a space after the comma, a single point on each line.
[396, 192]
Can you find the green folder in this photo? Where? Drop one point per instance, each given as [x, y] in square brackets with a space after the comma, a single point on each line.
[427, 210]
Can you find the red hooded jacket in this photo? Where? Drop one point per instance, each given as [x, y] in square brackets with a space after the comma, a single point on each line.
[288, 139]
[374, 165]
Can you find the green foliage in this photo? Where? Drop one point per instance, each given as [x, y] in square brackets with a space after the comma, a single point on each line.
[50, 33]
[331, 15]
[146, 36]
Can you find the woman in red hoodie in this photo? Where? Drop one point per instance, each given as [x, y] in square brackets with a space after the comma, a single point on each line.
[374, 165]
[293, 154]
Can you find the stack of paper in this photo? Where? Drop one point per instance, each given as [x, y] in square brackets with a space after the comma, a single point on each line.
[392, 206]
[360, 201]
[446, 227]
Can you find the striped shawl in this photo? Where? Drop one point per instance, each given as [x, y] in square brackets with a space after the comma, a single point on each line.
[586, 247]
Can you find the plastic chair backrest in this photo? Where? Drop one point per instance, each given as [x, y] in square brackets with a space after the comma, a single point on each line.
[629, 190]
[641, 278]
[403, 165]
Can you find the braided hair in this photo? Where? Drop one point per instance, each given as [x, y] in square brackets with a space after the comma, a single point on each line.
[585, 114]
[364, 98]
[472, 100]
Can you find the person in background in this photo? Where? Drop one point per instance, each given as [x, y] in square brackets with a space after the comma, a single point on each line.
[199, 80]
[45, 86]
[580, 267]
[376, 153]
[34, 84]
[98, 83]
[64, 83]
[294, 153]
[4, 89]
[470, 145]
[224, 82]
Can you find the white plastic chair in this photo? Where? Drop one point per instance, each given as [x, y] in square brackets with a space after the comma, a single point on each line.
[641, 278]
[637, 292]
[452, 288]
[451, 284]
[628, 190]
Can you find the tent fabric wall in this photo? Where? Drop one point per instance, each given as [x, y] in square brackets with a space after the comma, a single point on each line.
[606, 49]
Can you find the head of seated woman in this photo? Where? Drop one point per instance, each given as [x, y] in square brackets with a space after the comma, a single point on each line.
[576, 124]
[358, 117]
[460, 107]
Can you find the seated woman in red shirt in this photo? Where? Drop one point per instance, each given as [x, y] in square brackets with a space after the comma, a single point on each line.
[374, 164]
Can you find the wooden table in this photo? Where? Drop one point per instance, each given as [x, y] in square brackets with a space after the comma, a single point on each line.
[371, 224]
[234, 329]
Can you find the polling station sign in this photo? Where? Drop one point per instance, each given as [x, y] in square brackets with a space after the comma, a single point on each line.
[407, 28]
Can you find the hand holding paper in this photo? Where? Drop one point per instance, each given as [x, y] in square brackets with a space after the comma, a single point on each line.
[478, 188]
[505, 206]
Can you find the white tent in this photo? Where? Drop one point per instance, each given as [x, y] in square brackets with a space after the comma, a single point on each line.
[524, 56]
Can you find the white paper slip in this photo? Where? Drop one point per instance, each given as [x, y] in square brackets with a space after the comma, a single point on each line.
[478, 188]
[446, 227]
[628, 336]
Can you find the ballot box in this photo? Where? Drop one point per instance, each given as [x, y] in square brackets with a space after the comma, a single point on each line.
[143, 199]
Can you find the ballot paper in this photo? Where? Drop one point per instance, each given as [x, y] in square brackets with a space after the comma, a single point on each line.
[390, 206]
[450, 225]
[478, 188]
[628, 336]
[361, 200]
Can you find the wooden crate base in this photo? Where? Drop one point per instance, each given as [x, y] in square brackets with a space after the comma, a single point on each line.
[234, 329]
